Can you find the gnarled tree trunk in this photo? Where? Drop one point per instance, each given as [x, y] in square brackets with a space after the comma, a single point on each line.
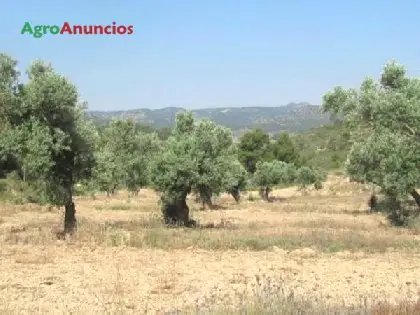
[176, 211]
[235, 193]
[70, 223]
[372, 202]
[265, 193]
[205, 196]
[416, 196]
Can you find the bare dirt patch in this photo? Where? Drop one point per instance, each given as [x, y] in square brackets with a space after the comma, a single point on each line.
[316, 246]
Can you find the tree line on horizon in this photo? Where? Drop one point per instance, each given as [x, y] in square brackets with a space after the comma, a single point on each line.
[48, 145]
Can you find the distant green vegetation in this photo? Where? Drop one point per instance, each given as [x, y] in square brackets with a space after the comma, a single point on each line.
[324, 147]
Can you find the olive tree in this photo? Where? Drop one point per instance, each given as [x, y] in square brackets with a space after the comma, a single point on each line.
[269, 174]
[384, 117]
[138, 168]
[174, 173]
[198, 156]
[236, 177]
[123, 156]
[50, 137]
[307, 176]
[216, 157]
[107, 173]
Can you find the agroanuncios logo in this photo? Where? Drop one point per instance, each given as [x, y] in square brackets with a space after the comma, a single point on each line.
[38, 31]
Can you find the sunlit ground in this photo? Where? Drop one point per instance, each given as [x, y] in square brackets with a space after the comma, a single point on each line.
[319, 247]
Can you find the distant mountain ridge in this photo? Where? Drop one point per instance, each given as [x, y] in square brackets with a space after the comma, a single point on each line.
[293, 117]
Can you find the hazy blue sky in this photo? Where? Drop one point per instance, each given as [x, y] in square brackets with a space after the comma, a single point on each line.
[216, 53]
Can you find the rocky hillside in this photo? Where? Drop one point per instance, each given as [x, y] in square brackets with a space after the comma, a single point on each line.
[292, 117]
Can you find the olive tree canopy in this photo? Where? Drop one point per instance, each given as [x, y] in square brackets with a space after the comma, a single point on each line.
[385, 121]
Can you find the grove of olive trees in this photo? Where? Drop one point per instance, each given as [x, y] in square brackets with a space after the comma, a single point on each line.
[46, 140]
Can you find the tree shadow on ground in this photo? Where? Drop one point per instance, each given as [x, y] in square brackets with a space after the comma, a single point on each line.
[216, 207]
[398, 213]
[133, 225]
[224, 224]
[276, 199]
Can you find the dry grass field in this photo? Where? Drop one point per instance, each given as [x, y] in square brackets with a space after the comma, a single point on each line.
[319, 252]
